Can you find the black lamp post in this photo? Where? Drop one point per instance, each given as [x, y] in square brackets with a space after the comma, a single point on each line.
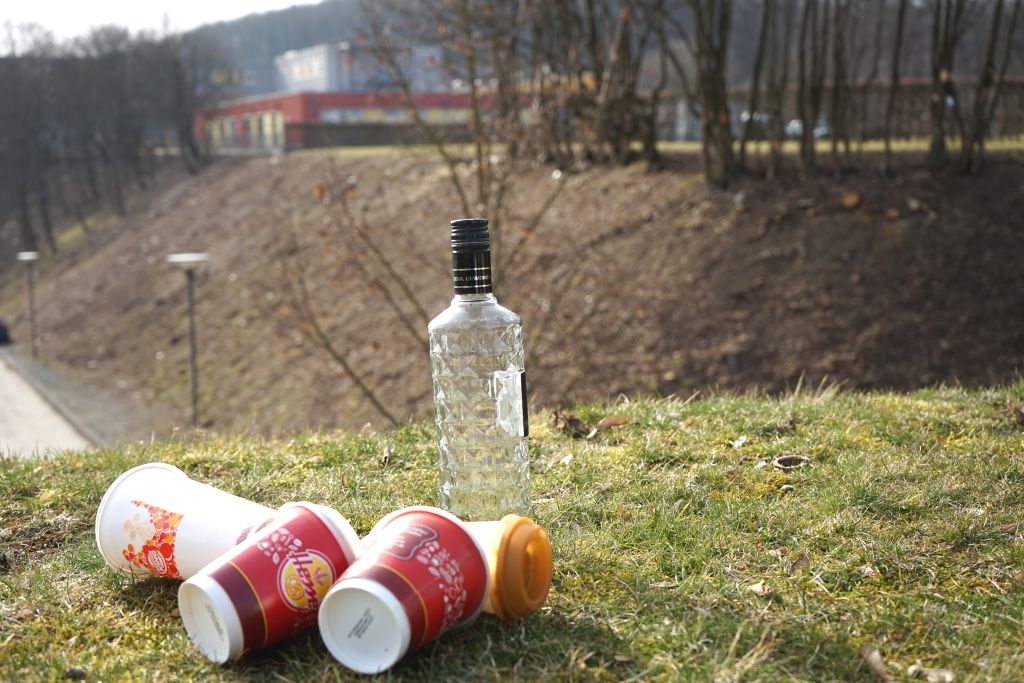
[30, 258]
[188, 262]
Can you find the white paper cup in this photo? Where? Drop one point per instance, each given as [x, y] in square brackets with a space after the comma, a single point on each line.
[270, 587]
[421, 574]
[155, 520]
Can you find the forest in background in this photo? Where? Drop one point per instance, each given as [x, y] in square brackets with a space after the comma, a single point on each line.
[566, 82]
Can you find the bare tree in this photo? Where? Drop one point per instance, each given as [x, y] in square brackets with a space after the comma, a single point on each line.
[894, 84]
[764, 37]
[988, 87]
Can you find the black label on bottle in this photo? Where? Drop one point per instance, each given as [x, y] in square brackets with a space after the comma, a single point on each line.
[526, 417]
[471, 272]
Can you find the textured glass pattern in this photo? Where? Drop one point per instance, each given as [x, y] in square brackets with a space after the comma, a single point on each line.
[476, 358]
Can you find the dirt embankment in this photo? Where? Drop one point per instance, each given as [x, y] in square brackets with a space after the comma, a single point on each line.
[634, 282]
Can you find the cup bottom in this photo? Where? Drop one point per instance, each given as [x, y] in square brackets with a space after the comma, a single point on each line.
[364, 626]
[210, 618]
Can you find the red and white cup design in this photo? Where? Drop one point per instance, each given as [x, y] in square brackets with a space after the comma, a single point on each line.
[421, 574]
[269, 588]
[155, 520]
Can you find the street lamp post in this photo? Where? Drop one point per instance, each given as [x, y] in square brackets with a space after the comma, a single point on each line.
[30, 258]
[188, 262]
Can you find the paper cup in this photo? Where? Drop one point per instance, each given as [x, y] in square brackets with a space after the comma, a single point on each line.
[519, 562]
[421, 574]
[270, 587]
[154, 519]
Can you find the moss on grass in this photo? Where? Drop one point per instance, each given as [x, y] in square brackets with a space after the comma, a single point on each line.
[904, 530]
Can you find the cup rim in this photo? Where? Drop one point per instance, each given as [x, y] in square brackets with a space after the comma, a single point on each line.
[226, 612]
[369, 539]
[389, 601]
[337, 523]
[108, 494]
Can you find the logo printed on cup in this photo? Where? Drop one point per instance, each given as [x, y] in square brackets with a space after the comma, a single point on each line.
[303, 579]
[413, 537]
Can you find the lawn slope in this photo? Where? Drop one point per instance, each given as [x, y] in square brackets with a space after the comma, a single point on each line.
[681, 552]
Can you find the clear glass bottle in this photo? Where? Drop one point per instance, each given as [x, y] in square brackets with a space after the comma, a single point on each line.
[477, 365]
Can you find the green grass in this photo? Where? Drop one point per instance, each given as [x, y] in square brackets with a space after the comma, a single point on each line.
[905, 531]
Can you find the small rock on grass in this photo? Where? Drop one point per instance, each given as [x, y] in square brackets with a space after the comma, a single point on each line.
[759, 589]
[931, 675]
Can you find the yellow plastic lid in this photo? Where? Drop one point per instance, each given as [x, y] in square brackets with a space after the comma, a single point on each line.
[521, 566]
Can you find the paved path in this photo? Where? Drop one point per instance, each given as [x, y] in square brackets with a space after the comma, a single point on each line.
[28, 424]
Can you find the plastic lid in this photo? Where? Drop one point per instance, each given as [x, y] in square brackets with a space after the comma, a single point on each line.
[521, 568]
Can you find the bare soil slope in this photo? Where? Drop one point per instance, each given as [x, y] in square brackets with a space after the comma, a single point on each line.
[635, 281]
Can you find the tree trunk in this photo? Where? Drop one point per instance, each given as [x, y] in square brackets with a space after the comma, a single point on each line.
[767, 16]
[894, 84]
[711, 28]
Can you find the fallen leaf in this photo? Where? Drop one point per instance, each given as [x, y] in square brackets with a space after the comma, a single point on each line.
[790, 462]
[850, 200]
[569, 423]
[624, 514]
[610, 421]
[873, 658]
[892, 214]
[930, 675]
[1019, 577]
[175, 613]
[759, 589]
[1016, 413]
[738, 443]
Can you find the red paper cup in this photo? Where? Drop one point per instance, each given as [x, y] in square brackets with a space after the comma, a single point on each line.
[154, 519]
[270, 587]
[421, 574]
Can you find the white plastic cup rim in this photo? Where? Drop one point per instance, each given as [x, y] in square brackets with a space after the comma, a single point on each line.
[112, 563]
[356, 595]
[210, 617]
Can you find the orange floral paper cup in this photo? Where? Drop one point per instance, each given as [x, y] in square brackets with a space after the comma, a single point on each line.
[270, 587]
[155, 520]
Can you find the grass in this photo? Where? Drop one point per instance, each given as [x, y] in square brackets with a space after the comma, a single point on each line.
[903, 531]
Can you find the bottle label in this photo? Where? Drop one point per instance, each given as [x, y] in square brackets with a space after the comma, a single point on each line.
[510, 392]
[471, 272]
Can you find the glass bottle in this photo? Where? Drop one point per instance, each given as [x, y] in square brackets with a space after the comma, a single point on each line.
[477, 365]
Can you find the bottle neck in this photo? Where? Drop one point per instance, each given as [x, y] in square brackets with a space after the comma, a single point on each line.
[471, 272]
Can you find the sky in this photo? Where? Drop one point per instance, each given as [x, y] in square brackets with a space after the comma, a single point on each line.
[70, 18]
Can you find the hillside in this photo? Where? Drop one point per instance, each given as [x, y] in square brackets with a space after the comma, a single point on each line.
[635, 282]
